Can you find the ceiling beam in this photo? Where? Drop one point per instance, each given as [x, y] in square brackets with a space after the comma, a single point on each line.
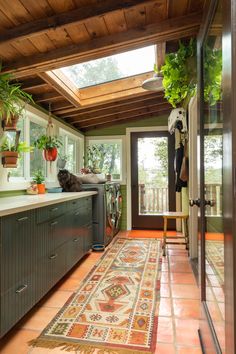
[127, 115]
[115, 110]
[63, 85]
[70, 112]
[160, 32]
[79, 15]
[125, 120]
[47, 96]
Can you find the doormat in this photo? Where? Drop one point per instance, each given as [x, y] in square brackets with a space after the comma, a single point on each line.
[115, 310]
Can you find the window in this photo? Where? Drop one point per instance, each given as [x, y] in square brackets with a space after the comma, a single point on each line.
[36, 159]
[111, 68]
[19, 171]
[109, 153]
[69, 150]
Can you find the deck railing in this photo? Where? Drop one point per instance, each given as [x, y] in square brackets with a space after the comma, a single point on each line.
[153, 200]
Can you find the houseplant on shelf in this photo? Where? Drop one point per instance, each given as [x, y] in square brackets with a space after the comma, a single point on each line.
[12, 101]
[38, 178]
[12, 151]
[49, 145]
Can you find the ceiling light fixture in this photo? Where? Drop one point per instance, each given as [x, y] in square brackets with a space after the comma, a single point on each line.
[154, 83]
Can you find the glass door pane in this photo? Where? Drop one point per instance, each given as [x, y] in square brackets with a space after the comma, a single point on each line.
[153, 175]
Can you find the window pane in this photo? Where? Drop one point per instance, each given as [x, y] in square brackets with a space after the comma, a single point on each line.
[111, 68]
[107, 159]
[71, 152]
[19, 171]
[36, 159]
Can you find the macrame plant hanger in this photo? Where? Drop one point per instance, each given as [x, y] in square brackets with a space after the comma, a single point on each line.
[49, 129]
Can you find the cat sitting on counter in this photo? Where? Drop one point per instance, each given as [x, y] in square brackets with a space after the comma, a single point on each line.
[68, 181]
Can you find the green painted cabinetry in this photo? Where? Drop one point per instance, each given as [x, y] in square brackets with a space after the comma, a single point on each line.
[37, 248]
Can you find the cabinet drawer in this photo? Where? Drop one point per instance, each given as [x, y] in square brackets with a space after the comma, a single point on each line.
[88, 237]
[18, 248]
[75, 251]
[16, 302]
[50, 212]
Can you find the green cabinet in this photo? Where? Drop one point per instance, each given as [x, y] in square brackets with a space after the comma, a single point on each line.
[37, 248]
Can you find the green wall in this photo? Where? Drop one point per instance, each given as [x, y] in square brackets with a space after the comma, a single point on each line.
[120, 129]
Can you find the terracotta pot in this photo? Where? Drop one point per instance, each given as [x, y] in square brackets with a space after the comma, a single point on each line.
[10, 124]
[50, 154]
[9, 158]
[41, 188]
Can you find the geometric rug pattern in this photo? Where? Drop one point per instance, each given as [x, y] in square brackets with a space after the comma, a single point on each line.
[115, 308]
[215, 258]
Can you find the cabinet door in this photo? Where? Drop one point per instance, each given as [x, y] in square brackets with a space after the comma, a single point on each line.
[18, 248]
[74, 251]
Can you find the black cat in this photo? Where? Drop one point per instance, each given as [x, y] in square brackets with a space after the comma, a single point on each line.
[68, 181]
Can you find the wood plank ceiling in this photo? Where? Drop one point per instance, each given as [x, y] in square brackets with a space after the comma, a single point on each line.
[39, 37]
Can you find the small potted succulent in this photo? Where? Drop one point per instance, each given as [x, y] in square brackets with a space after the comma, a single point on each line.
[38, 178]
[49, 145]
[12, 101]
[12, 151]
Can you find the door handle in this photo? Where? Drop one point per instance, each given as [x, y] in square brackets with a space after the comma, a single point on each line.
[196, 202]
[209, 202]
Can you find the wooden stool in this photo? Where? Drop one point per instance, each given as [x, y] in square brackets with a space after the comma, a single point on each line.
[184, 219]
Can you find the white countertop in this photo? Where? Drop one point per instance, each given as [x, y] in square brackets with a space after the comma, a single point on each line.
[12, 205]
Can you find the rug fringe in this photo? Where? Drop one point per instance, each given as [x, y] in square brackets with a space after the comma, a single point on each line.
[82, 348]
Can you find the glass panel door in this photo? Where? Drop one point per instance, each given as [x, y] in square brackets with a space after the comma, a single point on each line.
[211, 166]
[152, 192]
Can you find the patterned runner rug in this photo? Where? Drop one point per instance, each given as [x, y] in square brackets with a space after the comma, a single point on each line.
[115, 308]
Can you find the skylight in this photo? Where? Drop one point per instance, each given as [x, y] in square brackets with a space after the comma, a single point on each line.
[111, 68]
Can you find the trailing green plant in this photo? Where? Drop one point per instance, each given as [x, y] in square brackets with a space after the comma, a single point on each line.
[12, 98]
[21, 147]
[180, 74]
[38, 177]
[47, 142]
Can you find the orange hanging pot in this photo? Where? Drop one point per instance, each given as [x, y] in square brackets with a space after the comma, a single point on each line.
[50, 154]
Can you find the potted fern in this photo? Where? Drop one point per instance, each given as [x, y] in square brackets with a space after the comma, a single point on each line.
[12, 101]
[49, 145]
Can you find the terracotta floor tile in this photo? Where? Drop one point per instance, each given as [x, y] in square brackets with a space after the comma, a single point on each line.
[178, 258]
[39, 318]
[186, 308]
[57, 299]
[165, 349]
[165, 290]
[17, 341]
[187, 332]
[214, 311]
[165, 330]
[180, 267]
[182, 278]
[70, 284]
[182, 291]
[165, 307]
[189, 350]
[165, 277]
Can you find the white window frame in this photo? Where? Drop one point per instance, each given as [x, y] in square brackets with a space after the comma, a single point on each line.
[117, 139]
[39, 117]
[68, 135]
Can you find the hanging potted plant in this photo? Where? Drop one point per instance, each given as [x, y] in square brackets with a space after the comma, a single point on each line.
[38, 178]
[180, 75]
[12, 151]
[12, 101]
[49, 145]
[61, 161]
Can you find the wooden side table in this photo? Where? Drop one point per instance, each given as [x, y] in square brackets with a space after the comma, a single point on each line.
[184, 219]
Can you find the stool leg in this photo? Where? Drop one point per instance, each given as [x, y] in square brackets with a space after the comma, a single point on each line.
[164, 237]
